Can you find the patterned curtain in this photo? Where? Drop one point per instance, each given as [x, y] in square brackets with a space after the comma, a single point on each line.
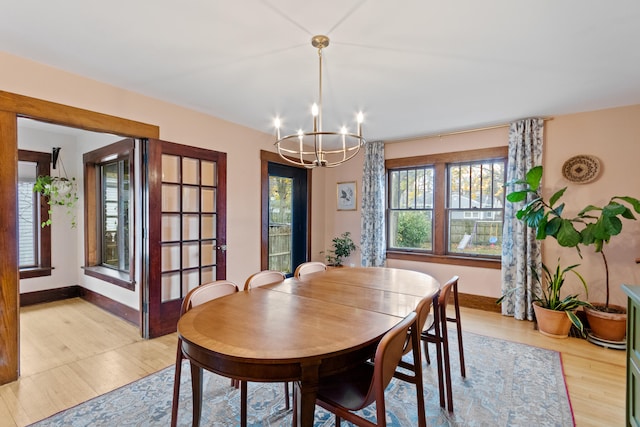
[373, 244]
[520, 249]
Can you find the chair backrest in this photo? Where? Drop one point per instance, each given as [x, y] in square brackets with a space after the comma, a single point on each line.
[207, 292]
[422, 312]
[386, 360]
[264, 277]
[445, 292]
[309, 267]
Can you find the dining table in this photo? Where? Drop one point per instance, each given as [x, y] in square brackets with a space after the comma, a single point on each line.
[299, 329]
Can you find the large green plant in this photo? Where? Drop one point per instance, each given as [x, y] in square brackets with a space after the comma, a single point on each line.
[593, 225]
[342, 248]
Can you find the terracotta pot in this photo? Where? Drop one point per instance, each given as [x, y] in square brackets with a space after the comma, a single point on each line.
[607, 326]
[552, 323]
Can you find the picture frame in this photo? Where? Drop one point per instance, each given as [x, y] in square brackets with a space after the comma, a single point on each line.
[347, 196]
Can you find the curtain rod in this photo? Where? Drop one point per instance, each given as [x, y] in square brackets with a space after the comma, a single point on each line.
[458, 132]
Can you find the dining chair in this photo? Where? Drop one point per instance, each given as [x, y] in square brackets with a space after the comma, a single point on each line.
[200, 295]
[350, 391]
[261, 278]
[436, 332]
[309, 267]
[411, 371]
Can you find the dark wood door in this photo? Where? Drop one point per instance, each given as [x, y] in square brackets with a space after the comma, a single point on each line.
[185, 228]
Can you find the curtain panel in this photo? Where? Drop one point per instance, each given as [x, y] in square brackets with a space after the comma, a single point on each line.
[373, 243]
[520, 249]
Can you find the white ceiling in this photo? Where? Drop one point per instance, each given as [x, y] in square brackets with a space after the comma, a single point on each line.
[415, 67]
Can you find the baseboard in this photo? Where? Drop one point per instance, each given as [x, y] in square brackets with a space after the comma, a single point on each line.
[479, 302]
[125, 312]
[49, 295]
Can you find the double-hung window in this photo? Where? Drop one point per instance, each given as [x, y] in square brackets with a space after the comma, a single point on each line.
[447, 207]
[34, 240]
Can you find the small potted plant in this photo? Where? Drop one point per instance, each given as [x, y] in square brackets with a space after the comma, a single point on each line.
[592, 226]
[555, 314]
[343, 246]
[58, 191]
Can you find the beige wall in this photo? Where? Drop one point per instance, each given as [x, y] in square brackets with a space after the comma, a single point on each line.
[612, 135]
[176, 124]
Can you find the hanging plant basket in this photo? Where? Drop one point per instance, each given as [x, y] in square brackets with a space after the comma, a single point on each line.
[60, 191]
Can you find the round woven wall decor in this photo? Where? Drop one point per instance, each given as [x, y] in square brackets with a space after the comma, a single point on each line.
[581, 169]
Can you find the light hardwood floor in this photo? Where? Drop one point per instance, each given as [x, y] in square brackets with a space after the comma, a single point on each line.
[72, 351]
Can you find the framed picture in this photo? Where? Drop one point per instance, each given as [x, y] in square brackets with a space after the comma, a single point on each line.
[347, 197]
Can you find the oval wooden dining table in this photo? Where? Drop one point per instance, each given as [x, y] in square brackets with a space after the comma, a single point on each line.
[300, 329]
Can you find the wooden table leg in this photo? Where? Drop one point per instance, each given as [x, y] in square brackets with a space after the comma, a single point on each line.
[305, 396]
[196, 392]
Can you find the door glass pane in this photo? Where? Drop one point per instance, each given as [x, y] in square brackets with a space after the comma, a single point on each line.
[208, 200]
[170, 286]
[280, 210]
[190, 199]
[208, 173]
[190, 224]
[170, 168]
[207, 253]
[190, 255]
[170, 257]
[170, 198]
[190, 280]
[208, 226]
[170, 227]
[208, 274]
[190, 171]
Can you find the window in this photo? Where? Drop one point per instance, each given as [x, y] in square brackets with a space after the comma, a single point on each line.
[447, 207]
[34, 241]
[109, 210]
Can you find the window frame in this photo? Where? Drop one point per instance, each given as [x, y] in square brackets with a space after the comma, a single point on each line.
[93, 161]
[439, 162]
[43, 167]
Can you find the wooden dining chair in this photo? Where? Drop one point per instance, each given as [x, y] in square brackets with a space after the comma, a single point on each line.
[436, 332]
[264, 277]
[200, 295]
[345, 393]
[309, 267]
[411, 371]
[261, 278]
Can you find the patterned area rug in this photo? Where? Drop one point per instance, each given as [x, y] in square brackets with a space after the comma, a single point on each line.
[507, 384]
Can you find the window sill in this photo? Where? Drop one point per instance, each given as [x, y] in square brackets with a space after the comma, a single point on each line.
[446, 259]
[28, 273]
[114, 277]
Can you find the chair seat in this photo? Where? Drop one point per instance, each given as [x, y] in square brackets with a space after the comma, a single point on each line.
[348, 389]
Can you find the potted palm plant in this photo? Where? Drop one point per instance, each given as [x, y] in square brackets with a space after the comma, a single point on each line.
[593, 226]
[58, 191]
[343, 246]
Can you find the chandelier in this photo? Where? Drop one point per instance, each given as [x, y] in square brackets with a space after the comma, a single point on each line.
[318, 147]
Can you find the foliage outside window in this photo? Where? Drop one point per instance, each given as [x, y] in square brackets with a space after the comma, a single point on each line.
[447, 207]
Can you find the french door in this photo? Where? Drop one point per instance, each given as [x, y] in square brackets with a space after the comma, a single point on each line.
[287, 217]
[185, 228]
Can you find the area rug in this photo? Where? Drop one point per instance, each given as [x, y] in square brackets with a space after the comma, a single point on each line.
[507, 384]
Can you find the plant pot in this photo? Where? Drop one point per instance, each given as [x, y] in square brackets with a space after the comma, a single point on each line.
[607, 326]
[552, 323]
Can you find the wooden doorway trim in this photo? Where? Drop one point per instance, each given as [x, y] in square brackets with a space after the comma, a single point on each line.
[13, 106]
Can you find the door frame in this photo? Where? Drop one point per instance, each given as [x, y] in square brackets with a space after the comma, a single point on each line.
[13, 106]
[267, 157]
